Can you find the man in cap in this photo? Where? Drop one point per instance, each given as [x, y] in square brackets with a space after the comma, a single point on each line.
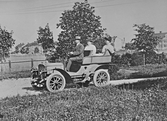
[78, 53]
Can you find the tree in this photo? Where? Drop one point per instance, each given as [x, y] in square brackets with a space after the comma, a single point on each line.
[6, 43]
[45, 37]
[130, 46]
[145, 40]
[99, 43]
[80, 21]
[24, 50]
[18, 47]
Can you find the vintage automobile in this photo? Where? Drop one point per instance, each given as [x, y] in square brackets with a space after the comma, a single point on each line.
[91, 69]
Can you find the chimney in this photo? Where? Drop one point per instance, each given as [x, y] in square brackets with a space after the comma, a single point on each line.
[160, 32]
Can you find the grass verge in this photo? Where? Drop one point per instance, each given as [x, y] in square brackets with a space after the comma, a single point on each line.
[19, 74]
[90, 104]
[144, 71]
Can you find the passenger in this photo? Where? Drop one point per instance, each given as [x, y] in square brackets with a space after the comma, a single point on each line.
[78, 53]
[91, 47]
[109, 46]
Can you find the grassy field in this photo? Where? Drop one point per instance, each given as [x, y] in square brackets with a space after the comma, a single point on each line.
[91, 104]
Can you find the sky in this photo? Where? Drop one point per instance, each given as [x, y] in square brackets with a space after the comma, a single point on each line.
[25, 17]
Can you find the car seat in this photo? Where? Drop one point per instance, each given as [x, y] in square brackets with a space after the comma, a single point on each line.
[75, 66]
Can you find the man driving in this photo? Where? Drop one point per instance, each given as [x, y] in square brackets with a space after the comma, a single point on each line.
[77, 54]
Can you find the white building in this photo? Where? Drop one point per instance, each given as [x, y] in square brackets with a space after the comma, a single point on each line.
[33, 48]
[162, 46]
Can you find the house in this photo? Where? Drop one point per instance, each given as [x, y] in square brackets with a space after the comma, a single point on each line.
[33, 48]
[162, 46]
[19, 46]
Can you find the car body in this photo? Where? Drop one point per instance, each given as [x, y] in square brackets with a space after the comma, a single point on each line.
[91, 69]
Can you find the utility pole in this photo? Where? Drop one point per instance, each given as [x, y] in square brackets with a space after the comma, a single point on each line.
[123, 43]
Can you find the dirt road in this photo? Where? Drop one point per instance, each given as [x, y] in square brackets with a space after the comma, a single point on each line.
[22, 86]
[13, 87]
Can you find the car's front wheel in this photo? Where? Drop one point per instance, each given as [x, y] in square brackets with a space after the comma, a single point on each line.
[101, 78]
[55, 82]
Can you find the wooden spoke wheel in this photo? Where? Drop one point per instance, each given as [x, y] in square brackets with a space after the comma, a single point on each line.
[55, 82]
[101, 78]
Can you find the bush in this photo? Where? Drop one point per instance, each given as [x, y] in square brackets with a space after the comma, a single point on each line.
[113, 69]
[137, 59]
[153, 58]
[127, 59]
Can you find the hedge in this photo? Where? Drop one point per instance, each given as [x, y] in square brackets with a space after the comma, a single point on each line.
[137, 59]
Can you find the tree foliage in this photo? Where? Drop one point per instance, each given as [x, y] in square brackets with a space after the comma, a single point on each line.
[130, 46]
[99, 43]
[80, 21]
[36, 50]
[6, 42]
[18, 47]
[45, 37]
[144, 39]
[24, 50]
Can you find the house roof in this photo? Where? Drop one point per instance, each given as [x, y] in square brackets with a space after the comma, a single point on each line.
[35, 43]
[160, 35]
[20, 45]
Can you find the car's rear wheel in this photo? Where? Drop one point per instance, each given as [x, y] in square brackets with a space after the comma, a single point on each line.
[55, 82]
[101, 78]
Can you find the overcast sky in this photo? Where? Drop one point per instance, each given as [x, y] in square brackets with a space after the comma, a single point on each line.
[25, 17]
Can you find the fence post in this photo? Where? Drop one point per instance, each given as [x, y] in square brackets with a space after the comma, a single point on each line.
[144, 59]
[32, 64]
[10, 66]
[1, 69]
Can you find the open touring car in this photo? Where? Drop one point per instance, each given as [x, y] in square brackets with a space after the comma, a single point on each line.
[91, 69]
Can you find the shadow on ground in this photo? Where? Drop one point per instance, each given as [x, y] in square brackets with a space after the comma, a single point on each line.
[145, 84]
[68, 86]
[31, 89]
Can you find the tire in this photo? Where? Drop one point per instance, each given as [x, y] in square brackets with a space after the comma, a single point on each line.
[55, 82]
[101, 78]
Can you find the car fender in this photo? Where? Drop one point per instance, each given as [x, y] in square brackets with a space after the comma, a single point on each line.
[110, 67]
[105, 66]
[65, 74]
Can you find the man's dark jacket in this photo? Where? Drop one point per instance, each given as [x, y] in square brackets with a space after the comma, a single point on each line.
[79, 51]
